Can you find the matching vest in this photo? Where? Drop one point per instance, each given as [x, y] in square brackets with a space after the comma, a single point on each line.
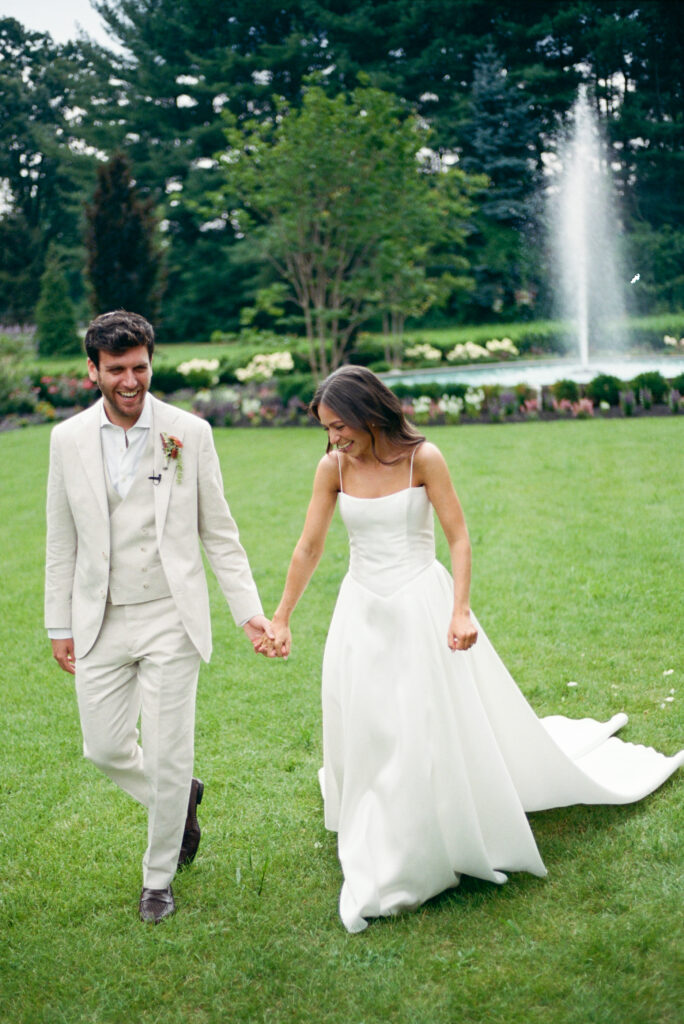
[135, 569]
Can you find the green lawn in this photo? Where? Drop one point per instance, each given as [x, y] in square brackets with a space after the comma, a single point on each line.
[578, 562]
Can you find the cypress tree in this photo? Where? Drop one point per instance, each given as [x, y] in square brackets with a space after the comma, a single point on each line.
[56, 332]
[124, 265]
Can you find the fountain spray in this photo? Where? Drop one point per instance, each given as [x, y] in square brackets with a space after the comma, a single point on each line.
[585, 235]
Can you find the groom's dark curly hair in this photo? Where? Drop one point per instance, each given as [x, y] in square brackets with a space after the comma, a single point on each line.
[117, 332]
[363, 402]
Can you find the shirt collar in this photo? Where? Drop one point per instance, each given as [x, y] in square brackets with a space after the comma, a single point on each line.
[143, 422]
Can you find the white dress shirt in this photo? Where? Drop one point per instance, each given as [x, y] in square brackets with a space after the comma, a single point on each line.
[122, 449]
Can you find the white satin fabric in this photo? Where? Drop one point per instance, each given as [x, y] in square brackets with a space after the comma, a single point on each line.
[432, 758]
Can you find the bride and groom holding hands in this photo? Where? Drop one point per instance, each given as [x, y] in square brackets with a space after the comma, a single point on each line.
[430, 760]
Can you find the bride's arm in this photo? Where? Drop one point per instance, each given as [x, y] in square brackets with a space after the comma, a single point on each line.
[308, 550]
[431, 469]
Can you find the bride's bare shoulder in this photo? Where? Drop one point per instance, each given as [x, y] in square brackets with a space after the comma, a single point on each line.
[428, 462]
[428, 455]
[328, 470]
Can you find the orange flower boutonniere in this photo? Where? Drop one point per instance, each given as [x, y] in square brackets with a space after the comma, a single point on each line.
[172, 449]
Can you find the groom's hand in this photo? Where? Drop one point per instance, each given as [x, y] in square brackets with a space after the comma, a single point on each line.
[63, 653]
[261, 636]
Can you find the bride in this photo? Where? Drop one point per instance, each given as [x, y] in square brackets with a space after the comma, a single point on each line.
[432, 755]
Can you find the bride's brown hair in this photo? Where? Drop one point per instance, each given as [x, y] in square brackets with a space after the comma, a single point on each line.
[363, 402]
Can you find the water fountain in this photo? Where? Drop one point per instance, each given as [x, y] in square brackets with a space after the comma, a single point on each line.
[585, 237]
[586, 267]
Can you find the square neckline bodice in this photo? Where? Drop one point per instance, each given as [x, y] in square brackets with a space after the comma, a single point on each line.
[380, 497]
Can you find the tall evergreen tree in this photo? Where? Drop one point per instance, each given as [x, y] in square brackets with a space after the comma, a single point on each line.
[499, 141]
[124, 261]
[21, 265]
[45, 175]
[55, 316]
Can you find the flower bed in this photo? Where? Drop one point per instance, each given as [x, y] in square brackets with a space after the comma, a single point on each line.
[283, 400]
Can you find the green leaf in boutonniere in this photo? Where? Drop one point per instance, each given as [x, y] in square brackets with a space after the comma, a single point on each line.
[172, 449]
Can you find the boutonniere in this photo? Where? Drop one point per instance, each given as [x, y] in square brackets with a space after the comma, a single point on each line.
[172, 449]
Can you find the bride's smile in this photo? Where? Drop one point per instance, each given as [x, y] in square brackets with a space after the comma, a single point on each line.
[342, 437]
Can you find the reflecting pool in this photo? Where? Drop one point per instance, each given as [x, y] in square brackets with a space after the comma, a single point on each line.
[542, 372]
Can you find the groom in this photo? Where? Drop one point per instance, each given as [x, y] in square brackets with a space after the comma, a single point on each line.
[134, 487]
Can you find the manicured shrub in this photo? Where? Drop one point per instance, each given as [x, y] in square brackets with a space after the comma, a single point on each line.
[427, 389]
[167, 379]
[56, 332]
[652, 381]
[567, 389]
[604, 388]
[295, 385]
[455, 389]
[401, 390]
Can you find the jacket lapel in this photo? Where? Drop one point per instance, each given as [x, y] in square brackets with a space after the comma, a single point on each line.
[165, 420]
[89, 447]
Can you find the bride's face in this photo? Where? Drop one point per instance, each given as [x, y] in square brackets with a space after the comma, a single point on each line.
[341, 436]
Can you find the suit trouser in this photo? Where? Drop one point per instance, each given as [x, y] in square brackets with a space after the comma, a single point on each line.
[144, 667]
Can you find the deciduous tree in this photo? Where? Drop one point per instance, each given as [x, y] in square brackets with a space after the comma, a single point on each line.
[329, 192]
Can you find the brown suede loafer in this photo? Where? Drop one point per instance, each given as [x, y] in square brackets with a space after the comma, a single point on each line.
[192, 833]
[156, 904]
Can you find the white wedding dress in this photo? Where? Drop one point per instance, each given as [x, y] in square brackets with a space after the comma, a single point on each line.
[432, 758]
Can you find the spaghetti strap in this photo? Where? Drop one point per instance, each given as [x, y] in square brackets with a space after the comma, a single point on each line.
[411, 470]
[339, 466]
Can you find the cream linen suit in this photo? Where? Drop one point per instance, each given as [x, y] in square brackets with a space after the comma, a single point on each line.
[142, 658]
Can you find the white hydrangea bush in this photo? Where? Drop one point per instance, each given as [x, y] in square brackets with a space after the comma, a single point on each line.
[264, 365]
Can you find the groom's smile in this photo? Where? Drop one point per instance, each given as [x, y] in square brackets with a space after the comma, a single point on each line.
[124, 380]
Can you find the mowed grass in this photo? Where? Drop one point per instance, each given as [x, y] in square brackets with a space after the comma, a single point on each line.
[578, 566]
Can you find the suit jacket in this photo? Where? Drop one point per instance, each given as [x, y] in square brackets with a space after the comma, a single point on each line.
[187, 511]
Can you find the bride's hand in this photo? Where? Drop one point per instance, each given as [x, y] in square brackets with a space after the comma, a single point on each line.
[462, 632]
[282, 643]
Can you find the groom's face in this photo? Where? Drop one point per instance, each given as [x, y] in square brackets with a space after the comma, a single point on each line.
[124, 380]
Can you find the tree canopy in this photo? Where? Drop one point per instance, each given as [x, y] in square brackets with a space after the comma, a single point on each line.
[455, 63]
[123, 261]
[340, 206]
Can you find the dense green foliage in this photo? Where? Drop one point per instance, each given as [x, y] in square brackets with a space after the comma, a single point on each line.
[15, 369]
[56, 332]
[577, 577]
[45, 175]
[494, 80]
[124, 263]
[338, 204]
